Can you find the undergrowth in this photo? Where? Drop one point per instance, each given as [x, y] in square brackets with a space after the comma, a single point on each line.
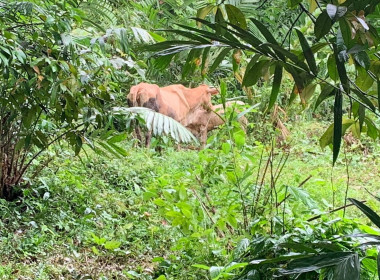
[182, 214]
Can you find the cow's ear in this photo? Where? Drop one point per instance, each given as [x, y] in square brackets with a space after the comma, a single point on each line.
[213, 91]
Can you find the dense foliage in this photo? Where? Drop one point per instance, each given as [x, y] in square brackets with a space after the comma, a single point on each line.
[327, 40]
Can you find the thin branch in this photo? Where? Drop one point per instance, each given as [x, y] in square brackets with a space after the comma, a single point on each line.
[262, 4]
[334, 210]
[291, 27]
[23, 25]
[42, 150]
[348, 180]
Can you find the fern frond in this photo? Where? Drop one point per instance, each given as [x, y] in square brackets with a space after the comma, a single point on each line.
[26, 8]
[100, 11]
[246, 6]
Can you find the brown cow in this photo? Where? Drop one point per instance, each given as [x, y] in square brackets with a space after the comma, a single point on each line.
[202, 121]
[143, 95]
[175, 101]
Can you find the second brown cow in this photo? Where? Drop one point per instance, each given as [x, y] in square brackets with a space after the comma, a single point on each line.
[201, 121]
[175, 101]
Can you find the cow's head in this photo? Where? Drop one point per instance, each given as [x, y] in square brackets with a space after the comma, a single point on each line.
[212, 90]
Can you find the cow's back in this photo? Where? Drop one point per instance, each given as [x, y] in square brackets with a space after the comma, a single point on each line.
[172, 102]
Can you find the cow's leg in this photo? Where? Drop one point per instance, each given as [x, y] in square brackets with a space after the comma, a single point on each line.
[203, 132]
[138, 135]
[148, 137]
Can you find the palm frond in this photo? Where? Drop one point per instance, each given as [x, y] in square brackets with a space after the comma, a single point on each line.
[100, 10]
[25, 8]
[141, 35]
[246, 6]
[158, 124]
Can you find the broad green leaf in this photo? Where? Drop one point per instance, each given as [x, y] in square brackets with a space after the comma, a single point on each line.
[331, 68]
[345, 30]
[372, 130]
[202, 266]
[112, 245]
[189, 66]
[348, 269]
[308, 54]
[239, 138]
[361, 116]
[338, 113]
[252, 62]
[205, 54]
[219, 19]
[362, 59]
[267, 34]
[163, 61]
[276, 86]
[219, 59]
[375, 68]
[212, 36]
[253, 75]
[364, 99]
[223, 92]
[303, 196]
[156, 37]
[327, 138]
[322, 25]
[215, 271]
[119, 149]
[189, 35]
[203, 12]
[236, 16]
[344, 261]
[226, 147]
[367, 211]
[282, 53]
[159, 123]
[228, 38]
[279, 259]
[301, 78]
[117, 138]
[312, 5]
[241, 247]
[363, 80]
[246, 36]
[168, 44]
[355, 129]
[307, 93]
[341, 71]
[326, 92]
[234, 266]
[42, 137]
[293, 3]
[301, 248]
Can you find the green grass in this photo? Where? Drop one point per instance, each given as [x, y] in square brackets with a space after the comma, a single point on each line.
[106, 218]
